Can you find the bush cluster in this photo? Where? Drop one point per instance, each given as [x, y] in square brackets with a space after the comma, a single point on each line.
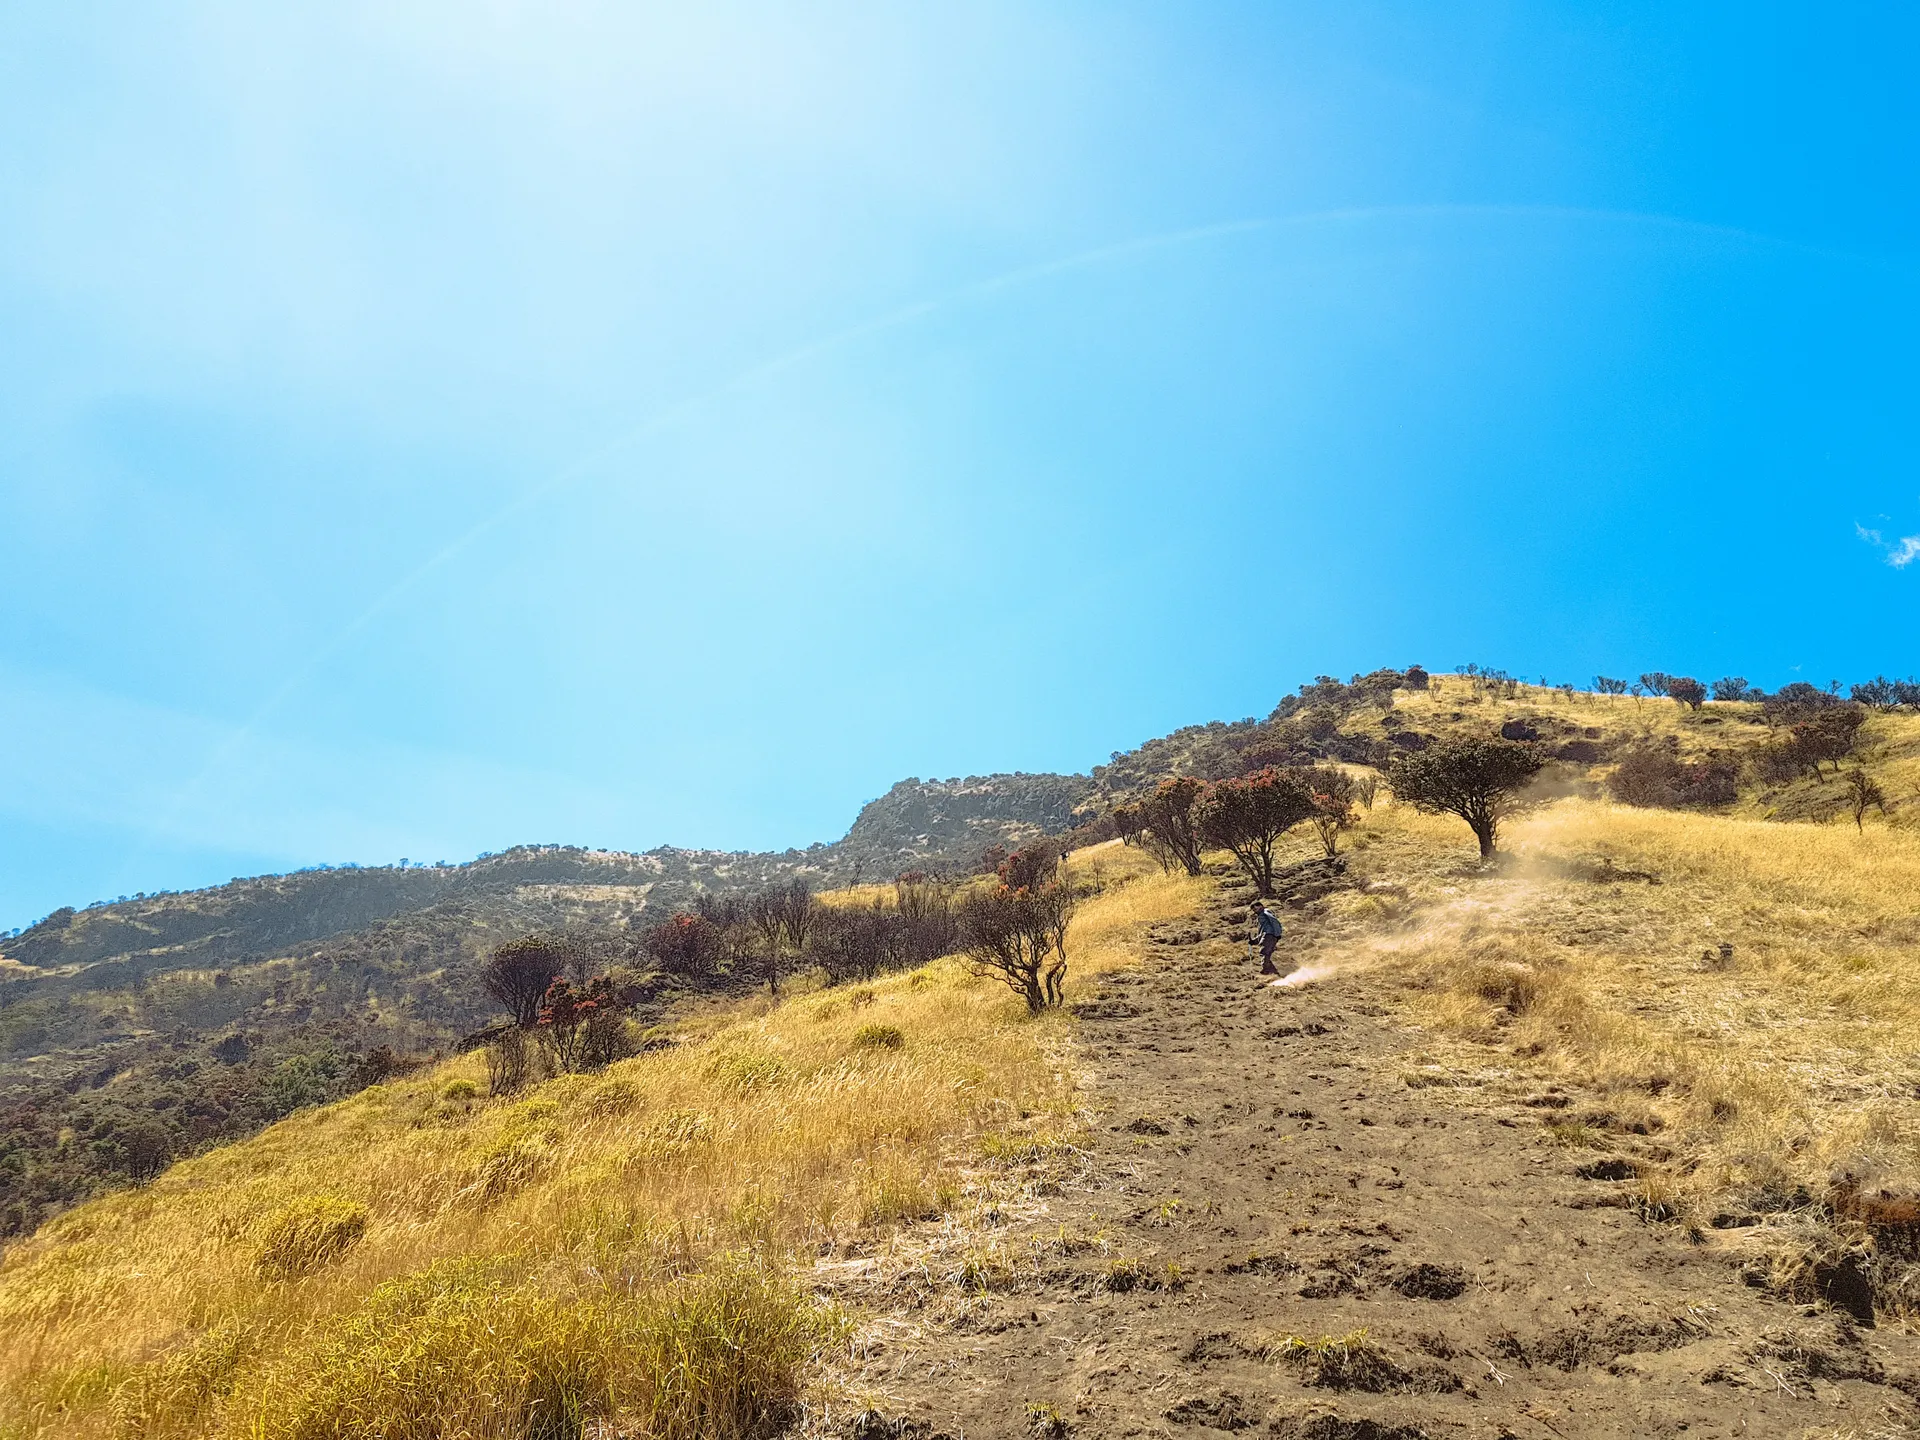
[775, 931]
[1655, 777]
[1247, 815]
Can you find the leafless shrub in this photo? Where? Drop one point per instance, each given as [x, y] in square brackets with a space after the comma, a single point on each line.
[519, 973]
[1019, 937]
[509, 1064]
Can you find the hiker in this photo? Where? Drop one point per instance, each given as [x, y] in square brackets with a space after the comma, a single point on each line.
[1268, 934]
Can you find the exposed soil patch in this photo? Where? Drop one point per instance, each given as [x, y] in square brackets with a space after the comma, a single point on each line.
[1275, 1227]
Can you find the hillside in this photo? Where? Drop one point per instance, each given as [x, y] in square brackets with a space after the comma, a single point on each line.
[214, 1012]
[1692, 1016]
[1518, 1149]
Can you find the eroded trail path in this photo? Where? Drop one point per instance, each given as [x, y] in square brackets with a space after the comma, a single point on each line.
[1274, 1231]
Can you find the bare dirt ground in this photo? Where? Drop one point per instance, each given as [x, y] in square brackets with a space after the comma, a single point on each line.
[1269, 1229]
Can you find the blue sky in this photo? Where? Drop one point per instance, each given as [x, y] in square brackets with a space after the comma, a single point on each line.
[431, 427]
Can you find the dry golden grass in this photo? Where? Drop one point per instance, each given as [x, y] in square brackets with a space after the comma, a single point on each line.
[1765, 1067]
[1889, 746]
[417, 1261]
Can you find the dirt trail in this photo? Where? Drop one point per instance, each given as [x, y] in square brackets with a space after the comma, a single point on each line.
[1261, 1169]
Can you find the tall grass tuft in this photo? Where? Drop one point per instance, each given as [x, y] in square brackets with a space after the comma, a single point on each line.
[308, 1234]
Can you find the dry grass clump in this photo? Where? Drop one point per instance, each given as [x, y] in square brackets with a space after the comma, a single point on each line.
[307, 1235]
[879, 1037]
[607, 1246]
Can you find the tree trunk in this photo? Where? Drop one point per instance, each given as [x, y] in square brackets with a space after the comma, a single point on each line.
[1484, 831]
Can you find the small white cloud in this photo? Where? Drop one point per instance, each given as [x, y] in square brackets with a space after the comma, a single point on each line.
[1900, 553]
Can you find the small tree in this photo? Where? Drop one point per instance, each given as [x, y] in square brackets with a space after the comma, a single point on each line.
[685, 944]
[1249, 815]
[858, 942]
[1020, 939]
[1825, 736]
[1799, 701]
[1365, 789]
[1031, 866]
[1731, 687]
[1129, 823]
[1688, 691]
[507, 1063]
[581, 1029]
[1332, 792]
[1479, 780]
[1656, 682]
[781, 916]
[519, 973]
[926, 909]
[1608, 686]
[1172, 825]
[1863, 793]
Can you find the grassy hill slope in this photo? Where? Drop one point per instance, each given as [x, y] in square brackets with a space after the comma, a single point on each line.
[416, 1260]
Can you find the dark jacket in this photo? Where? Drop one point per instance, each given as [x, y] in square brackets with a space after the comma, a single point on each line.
[1270, 923]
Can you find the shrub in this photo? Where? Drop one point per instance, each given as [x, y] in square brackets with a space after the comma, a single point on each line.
[782, 916]
[1481, 781]
[1863, 793]
[1377, 687]
[857, 944]
[1332, 794]
[519, 973]
[1688, 691]
[685, 944]
[462, 1089]
[1885, 694]
[926, 908]
[879, 1037]
[1019, 937]
[1656, 682]
[1172, 827]
[1608, 686]
[139, 1149]
[1732, 687]
[1031, 866]
[1791, 704]
[1656, 778]
[1822, 735]
[581, 1030]
[1248, 816]
[508, 1063]
[308, 1235]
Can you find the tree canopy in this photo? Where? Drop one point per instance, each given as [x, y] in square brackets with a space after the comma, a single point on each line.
[1480, 780]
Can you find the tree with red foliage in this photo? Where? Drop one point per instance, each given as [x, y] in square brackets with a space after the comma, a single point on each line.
[1249, 815]
[685, 944]
[1031, 866]
[1332, 792]
[581, 1029]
